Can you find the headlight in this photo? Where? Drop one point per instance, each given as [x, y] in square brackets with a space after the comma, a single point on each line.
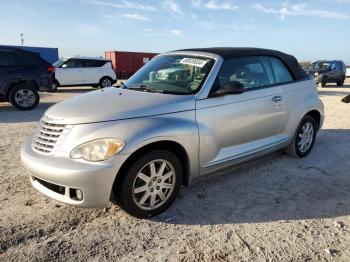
[316, 74]
[98, 150]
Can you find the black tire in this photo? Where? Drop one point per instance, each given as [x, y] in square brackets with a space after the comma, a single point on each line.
[123, 188]
[31, 93]
[324, 82]
[341, 82]
[104, 80]
[293, 149]
[54, 86]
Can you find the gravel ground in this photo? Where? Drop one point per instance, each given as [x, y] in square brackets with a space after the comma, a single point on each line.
[275, 208]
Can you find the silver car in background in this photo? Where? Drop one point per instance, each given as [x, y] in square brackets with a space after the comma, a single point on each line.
[184, 114]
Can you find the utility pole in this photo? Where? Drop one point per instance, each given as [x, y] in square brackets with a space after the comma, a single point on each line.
[22, 39]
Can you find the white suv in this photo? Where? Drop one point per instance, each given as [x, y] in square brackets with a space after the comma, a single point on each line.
[74, 71]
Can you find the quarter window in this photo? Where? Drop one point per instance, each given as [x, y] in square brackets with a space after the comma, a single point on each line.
[280, 71]
[250, 72]
[95, 63]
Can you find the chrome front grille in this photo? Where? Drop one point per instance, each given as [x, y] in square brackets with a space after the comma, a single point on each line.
[48, 136]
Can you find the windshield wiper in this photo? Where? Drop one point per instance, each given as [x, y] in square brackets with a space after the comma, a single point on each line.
[146, 88]
[122, 84]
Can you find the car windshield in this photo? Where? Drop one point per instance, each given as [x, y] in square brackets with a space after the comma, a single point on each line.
[320, 65]
[59, 62]
[172, 74]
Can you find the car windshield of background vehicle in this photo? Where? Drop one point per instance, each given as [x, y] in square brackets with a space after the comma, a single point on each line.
[323, 66]
[172, 74]
[59, 62]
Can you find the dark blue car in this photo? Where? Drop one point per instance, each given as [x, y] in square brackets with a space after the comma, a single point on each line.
[328, 71]
[22, 75]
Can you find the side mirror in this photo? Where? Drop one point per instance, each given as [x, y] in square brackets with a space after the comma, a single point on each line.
[230, 88]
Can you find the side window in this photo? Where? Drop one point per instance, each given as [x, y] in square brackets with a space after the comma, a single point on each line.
[94, 63]
[73, 63]
[339, 66]
[281, 73]
[250, 72]
[333, 66]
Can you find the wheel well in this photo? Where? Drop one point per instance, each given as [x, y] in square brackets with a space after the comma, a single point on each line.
[106, 77]
[58, 83]
[13, 84]
[315, 115]
[171, 146]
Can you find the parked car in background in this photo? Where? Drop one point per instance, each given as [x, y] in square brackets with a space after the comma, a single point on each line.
[328, 71]
[22, 75]
[137, 145]
[347, 71]
[74, 71]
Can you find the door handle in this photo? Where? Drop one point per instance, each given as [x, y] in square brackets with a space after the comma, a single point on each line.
[277, 99]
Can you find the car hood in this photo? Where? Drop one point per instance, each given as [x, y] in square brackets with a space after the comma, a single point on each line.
[116, 104]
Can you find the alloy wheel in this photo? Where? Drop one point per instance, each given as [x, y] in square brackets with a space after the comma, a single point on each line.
[305, 137]
[154, 184]
[25, 97]
[106, 83]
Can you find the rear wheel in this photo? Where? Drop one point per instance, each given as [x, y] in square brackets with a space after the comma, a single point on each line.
[24, 97]
[54, 86]
[150, 185]
[341, 82]
[304, 138]
[105, 82]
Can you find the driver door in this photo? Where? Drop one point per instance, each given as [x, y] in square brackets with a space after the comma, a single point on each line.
[236, 126]
[71, 72]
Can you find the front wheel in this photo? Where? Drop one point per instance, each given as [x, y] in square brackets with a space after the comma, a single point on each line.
[304, 138]
[105, 82]
[24, 97]
[150, 185]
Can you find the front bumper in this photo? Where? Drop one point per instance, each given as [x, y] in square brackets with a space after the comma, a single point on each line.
[58, 177]
[318, 79]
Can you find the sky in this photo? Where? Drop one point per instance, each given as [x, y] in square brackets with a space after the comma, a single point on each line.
[309, 30]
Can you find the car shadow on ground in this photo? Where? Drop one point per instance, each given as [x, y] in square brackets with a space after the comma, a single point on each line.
[275, 187]
[334, 90]
[74, 90]
[333, 85]
[9, 114]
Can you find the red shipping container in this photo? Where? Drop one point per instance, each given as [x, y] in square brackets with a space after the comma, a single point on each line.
[125, 64]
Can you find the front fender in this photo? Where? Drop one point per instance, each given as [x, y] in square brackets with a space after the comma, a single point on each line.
[139, 132]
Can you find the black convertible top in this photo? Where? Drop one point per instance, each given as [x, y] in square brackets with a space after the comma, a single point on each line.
[235, 52]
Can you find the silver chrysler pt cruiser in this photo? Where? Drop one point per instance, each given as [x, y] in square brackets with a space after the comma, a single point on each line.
[184, 114]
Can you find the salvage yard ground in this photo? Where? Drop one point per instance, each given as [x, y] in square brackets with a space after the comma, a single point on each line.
[275, 208]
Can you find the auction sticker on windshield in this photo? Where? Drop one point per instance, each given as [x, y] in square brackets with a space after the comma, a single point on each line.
[193, 62]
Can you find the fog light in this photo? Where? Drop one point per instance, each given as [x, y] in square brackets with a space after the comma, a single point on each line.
[79, 194]
[76, 194]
